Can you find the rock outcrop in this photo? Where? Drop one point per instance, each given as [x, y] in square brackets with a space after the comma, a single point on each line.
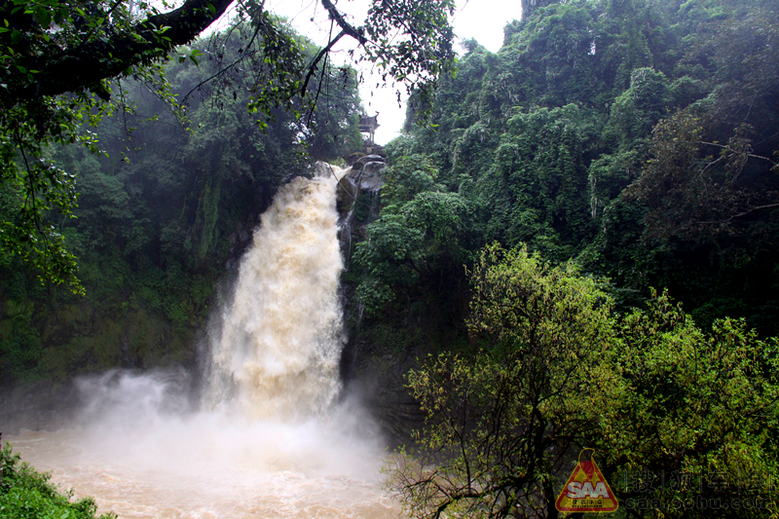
[366, 177]
[366, 174]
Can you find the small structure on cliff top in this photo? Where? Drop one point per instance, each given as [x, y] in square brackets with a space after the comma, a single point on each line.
[368, 125]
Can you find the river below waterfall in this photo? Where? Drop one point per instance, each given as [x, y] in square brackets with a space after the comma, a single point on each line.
[271, 433]
[216, 466]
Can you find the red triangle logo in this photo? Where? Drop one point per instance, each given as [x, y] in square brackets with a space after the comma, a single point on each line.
[586, 491]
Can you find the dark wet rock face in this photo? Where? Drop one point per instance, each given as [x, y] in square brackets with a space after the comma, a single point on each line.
[366, 174]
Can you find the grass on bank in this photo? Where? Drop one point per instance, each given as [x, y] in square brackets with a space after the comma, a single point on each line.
[26, 493]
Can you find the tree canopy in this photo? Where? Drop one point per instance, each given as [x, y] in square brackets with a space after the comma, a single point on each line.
[676, 415]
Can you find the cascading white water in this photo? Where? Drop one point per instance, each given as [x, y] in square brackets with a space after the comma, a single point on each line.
[281, 337]
[271, 440]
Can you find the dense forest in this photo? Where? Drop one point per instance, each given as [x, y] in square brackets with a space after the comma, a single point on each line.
[637, 138]
[618, 160]
[577, 245]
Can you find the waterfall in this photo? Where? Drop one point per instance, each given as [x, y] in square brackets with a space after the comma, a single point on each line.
[281, 336]
[271, 440]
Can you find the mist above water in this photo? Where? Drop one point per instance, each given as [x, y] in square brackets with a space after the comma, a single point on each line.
[270, 437]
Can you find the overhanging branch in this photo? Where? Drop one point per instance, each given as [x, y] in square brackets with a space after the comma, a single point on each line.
[93, 61]
[345, 26]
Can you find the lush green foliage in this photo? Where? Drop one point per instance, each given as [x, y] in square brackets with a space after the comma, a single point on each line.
[675, 415]
[52, 48]
[501, 421]
[418, 241]
[34, 186]
[28, 494]
[698, 409]
[637, 137]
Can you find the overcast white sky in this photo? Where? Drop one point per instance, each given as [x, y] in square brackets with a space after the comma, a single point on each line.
[480, 19]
